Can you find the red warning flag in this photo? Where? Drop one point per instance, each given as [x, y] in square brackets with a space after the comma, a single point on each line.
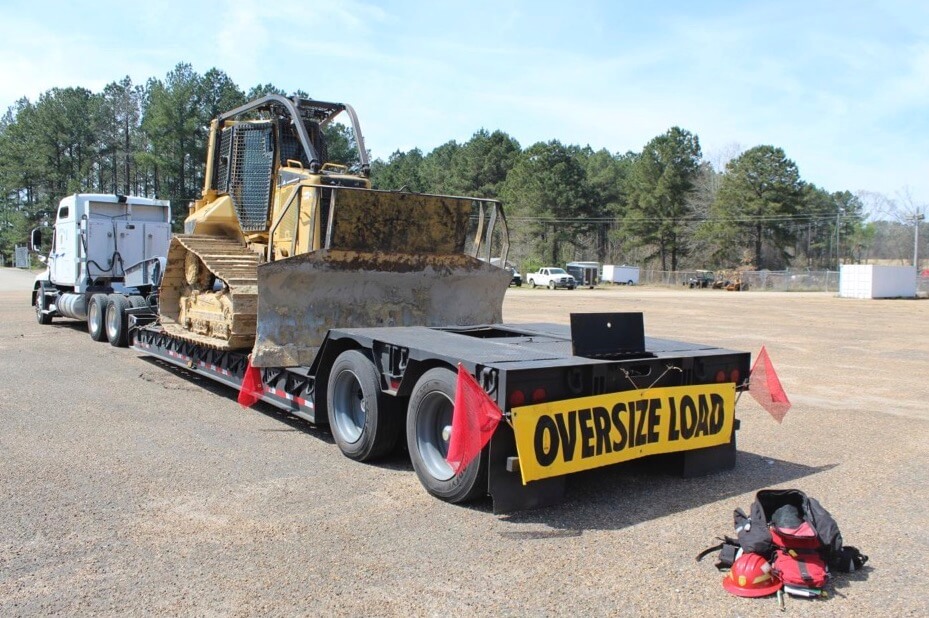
[474, 420]
[766, 388]
[252, 388]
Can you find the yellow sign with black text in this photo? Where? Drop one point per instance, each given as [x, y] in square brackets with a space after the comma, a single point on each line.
[561, 437]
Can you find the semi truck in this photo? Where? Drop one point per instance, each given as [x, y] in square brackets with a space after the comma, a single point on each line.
[360, 309]
[106, 255]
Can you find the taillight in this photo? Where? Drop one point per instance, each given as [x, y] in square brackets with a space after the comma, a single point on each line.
[734, 376]
[539, 395]
[517, 398]
[720, 376]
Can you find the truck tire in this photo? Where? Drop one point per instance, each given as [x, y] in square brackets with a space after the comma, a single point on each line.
[117, 322]
[551, 285]
[96, 316]
[40, 305]
[630, 282]
[363, 420]
[428, 423]
[136, 301]
[532, 283]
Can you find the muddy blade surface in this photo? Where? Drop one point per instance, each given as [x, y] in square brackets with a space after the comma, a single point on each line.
[301, 298]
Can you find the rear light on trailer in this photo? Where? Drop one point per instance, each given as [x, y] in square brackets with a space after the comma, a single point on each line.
[539, 395]
[734, 376]
[517, 398]
[720, 376]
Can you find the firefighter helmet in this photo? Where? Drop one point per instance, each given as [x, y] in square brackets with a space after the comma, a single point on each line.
[751, 576]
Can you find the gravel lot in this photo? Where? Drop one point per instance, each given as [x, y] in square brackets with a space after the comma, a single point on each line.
[128, 487]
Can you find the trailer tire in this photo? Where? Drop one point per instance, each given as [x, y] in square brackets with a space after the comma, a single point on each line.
[96, 317]
[40, 306]
[117, 322]
[427, 420]
[363, 420]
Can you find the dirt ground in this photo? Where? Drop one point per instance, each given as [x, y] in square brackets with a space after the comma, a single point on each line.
[128, 487]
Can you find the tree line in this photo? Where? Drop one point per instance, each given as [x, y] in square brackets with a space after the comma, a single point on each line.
[665, 206]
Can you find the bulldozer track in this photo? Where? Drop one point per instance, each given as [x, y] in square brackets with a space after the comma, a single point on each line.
[224, 319]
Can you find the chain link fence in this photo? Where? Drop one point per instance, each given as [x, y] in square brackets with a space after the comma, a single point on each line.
[773, 281]
[765, 280]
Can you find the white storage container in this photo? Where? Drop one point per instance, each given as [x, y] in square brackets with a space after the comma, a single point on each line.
[872, 281]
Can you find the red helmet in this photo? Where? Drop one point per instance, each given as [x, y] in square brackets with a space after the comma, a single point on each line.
[750, 576]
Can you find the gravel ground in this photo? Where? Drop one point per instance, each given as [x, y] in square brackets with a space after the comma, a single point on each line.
[129, 487]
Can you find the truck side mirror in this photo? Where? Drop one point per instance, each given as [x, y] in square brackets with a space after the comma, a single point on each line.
[35, 240]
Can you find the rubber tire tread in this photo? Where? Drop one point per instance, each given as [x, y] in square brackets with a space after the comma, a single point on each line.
[42, 318]
[471, 484]
[97, 331]
[120, 303]
[136, 301]
[381, 432]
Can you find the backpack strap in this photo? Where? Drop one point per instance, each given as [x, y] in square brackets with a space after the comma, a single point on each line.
[727, 552]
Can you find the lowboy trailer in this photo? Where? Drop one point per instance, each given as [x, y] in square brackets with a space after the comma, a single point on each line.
[595, 393]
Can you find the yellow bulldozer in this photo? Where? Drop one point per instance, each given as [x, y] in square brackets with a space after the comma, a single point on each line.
[284, 245]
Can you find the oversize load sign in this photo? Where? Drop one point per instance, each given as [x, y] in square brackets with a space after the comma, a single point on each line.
[560, 437]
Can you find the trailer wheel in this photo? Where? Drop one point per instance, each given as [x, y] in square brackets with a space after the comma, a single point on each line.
[96, 315]
[41, 304]
[117, 322]
[428, 425]
[363, 421]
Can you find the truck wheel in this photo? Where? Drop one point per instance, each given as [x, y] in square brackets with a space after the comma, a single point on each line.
[532, 283]
[551, 285]
[630, 282]
[363, 422]
[117, 322]
[428, 428]
[96, 314]
[40, 305]
[136, 301]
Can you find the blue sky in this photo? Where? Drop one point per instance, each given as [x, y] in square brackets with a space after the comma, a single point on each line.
[842, 87]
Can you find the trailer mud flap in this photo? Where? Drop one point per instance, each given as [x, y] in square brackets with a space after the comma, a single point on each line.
[301, 298]
[505, 485]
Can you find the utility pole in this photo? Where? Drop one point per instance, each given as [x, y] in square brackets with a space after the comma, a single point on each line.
[838, 214]
[916, 219]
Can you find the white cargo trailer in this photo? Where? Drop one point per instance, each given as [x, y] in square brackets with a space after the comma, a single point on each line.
[626, 275]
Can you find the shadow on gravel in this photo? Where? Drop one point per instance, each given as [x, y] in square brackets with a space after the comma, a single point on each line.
[845, 580]
[399, 460]
[65, 324]
[615, 498]
[293, 423]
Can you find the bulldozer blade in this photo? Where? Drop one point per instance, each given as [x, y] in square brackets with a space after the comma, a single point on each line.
[301, 298]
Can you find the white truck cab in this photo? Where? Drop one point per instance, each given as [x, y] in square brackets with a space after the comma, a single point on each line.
[102, 247]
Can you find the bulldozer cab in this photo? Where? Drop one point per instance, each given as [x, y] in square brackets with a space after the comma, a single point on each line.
[259, 151]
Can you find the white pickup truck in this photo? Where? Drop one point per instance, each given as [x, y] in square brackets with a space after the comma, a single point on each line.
[552, 277]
